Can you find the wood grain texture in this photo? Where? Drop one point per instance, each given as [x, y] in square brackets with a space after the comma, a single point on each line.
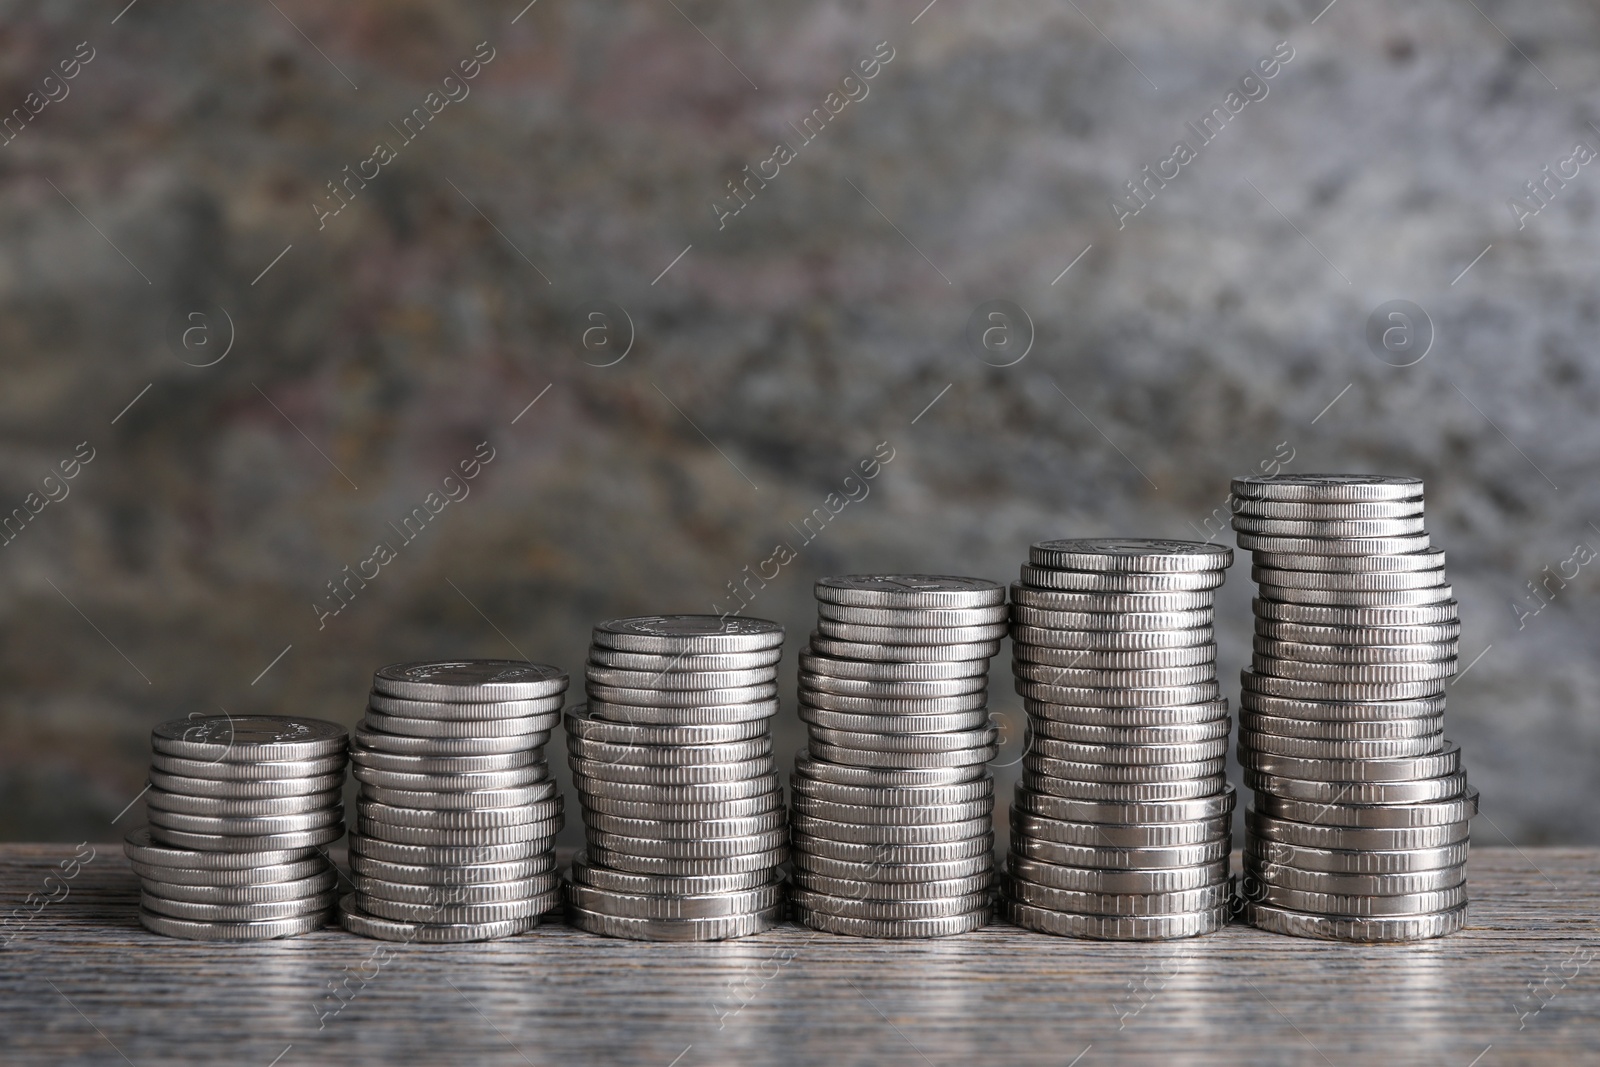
[82, 983]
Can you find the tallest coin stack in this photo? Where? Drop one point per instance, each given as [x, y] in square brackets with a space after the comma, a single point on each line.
[1360, 822]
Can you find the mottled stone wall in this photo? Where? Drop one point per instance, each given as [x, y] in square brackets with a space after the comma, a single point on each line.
[375, 348]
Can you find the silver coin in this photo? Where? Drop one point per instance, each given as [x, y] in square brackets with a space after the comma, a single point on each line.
[1122, 792]
[1130, 555]
[677, 867]
[252, 771]
[1131, 882]
[1426, 560]
[909, 591]
[1112, 640]
[1365, 581]
[585, 873]
[261, 789]
[470, 681]
[1371, 528]
[163, 822]
[1081, 902]
[248, 738]
[669, 755]
[879, 672]
[1399, 928]
[1185, 714]
[1135, 659]
[682, 661]
[1087, 697]
[1121, 859]
[1422, 791]
[898, 929]
[1387, 838]
[652, 681]
[1348, 906]
[226, 807]
[1320, 748]
[885, 777]
[952, 741]
[1435, 594]
[461, 728]
[265, 930]
[1437, 813]
[684, 812]
[444, 896]
[1217, 805]
[359, 922]
[1358, 861]
[1432, 652]
[894, 724]
[1116, 927]
[1085, 600]
[691, 848]
[463, 711]
[581, 724]
[1111, 620]
[275, 844]
[1097, 678]
[639, 715]
[1258, 872]
[297, 889]
[141, 847]
[702, 906]
[887, 910]
[1349, 730]
[1359, 673]
[856, 757]
[1327, 488]
[1315, 615]
[461, 800]
[1129, 755]
[406, 855]
[920, 814]
[855, 889]
[1349, 692]
[925, 618]
[219, 878]
[445, 783]
[679, 698]
[394, 762]
[1096, 734]
[401, 745]
[459, 820]
[316, 904]
[946, 687]
[1314, 510]
[542, 831]
[1111, 835]
[719, 928]
[698, 830]
[693, 793]
[1341, 711]
[465, 874]
[875, 873]
[873, 652]
[1402, 545]
[889, 833]
[1400, 769]
[694, 634]
[857, 796]
[435, 914]
[905, 635]
[1355, 637]
[890, 707]
[1101, 582]
[886, 853]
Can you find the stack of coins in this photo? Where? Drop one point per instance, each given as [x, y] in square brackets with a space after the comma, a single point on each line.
[457, 813]
[240, 810]
[892, 828]
[1360, 822]
[1121, 824]
[672, 759]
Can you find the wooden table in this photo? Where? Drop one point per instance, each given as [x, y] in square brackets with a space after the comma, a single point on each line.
[82, 982]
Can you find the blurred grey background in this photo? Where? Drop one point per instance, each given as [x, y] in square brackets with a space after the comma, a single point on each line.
[265, 386]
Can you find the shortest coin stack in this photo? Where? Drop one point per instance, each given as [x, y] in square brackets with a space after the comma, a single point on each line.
[457, 811]
[240, 809]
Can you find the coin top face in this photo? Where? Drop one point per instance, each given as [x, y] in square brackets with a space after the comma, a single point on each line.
[1134, 547]
[248, 730]
[471, 672]
[908, 583]
[691, 626]
[1309, 487]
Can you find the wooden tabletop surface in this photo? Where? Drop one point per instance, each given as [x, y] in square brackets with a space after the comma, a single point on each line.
[82, 982]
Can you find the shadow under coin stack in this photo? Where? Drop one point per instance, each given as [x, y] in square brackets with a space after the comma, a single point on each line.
[672, 759]
[1359, 826]
[457, 813]
[240, 811]
[893, 820]
[1121, 824]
